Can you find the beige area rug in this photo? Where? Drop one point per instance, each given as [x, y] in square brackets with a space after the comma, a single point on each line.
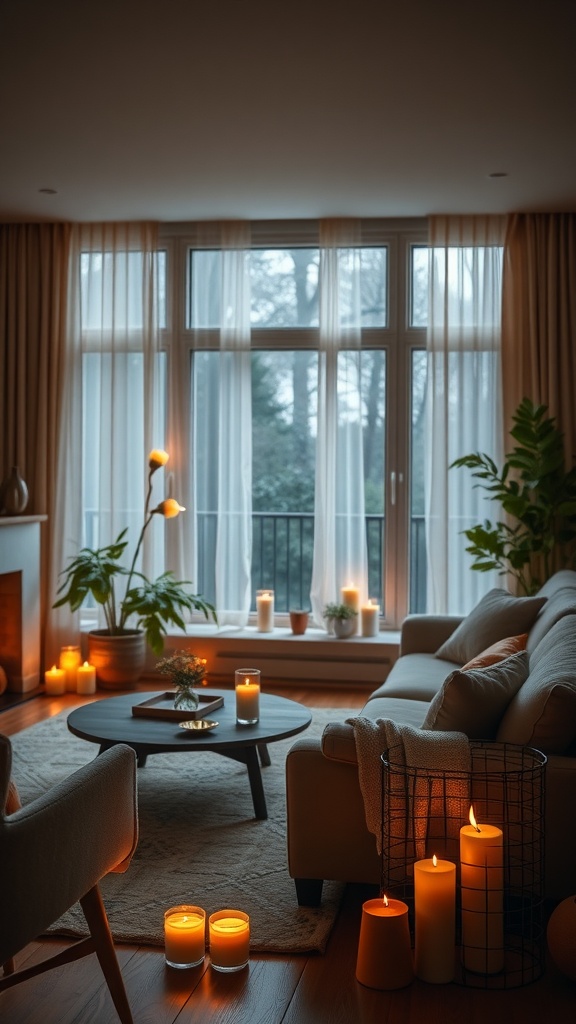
[199, 842]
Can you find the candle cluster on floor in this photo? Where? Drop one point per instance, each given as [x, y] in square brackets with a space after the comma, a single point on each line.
[185, 938]
[385, 959]
[72, 675]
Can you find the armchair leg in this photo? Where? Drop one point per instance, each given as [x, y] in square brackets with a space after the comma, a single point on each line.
[309, 891]
[95, 915]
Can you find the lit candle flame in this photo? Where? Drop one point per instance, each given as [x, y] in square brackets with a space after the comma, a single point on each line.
[434, 861]
[473, 819]
[385, 900]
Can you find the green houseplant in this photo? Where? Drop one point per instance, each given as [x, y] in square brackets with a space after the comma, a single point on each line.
[342, 618]
[537, 494]
[153, 604]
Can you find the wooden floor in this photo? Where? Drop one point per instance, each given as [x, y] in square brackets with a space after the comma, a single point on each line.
[273, 989]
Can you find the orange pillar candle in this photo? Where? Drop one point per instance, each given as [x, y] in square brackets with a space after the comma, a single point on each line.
[70, 659]
[351, 596]
[86, 678]
[55, 681]
[435, 919]
[184, 936]
[384, 951]
[229, 940]
[247, 686]
[482, 882]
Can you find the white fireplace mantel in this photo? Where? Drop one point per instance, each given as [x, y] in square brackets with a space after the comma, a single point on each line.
[20, 600]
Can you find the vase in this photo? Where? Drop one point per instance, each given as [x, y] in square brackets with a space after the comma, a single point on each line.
[344, 627]
[14, 493]
[118, 659]
[186, 700]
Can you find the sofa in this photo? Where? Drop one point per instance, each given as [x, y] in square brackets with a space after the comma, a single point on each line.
[504, 673]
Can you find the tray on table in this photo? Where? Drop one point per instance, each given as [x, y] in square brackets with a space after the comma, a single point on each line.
[161, 705]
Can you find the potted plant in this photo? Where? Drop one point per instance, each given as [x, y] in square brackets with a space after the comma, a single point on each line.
[340, 618]
[119, 650]
[186, 671]
[537, 493]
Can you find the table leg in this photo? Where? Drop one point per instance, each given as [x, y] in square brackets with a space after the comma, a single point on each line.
[264, 755]
[249, 757]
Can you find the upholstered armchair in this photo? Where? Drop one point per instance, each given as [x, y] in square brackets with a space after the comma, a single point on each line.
[53, 853]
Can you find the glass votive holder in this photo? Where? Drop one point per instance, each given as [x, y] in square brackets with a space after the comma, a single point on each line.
[229, 940]
[184, 936]
[247, 687]
[265, 611]
[70, 659]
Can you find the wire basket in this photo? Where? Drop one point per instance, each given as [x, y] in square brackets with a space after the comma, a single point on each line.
[423, 811]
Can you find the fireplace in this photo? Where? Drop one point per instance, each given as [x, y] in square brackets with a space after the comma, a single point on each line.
[20, 601]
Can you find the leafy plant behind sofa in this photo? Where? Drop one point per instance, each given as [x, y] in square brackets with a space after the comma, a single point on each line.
[538, 496]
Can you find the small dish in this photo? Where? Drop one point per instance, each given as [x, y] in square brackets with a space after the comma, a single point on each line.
[198, 725]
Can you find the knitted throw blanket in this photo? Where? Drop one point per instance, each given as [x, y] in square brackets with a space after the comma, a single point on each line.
[426, 792]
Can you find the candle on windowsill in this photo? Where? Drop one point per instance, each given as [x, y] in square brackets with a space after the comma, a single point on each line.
[229, 940]
[384, 951]
[70, 659]
[370, 618]
[265, 611]
[247, 687]
[86, 678]
[435, 919]
[55, 681]
[184, 936]
[351, 596]
[482, 897]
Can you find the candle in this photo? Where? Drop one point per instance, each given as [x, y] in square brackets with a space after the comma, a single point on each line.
[370, 615]
[55, 680]
[184, 936]
[86, 678]
[69, 661]
[384, 952]
[351, 596]
[435, 919]
[247, 686]
[265, 610]
[482, 881]
[229, 940]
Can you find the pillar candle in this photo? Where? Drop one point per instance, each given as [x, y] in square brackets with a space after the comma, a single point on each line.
[435, 919]
[265, 610]
[247, 686]
[384, 951]
[229, 940]
[370, 618]
[86, 678]
[482, 882]
[55, 681]
[351, 596]
[70, 659]
[184, 936]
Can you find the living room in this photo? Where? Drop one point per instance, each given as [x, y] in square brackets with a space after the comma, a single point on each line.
[393, 138]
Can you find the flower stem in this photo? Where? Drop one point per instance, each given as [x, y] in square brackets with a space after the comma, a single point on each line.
[147, 518]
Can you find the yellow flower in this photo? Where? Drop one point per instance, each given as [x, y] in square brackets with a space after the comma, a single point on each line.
[169, 508]
[157, 458]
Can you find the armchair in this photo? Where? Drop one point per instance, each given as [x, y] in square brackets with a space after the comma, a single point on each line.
[53, 853]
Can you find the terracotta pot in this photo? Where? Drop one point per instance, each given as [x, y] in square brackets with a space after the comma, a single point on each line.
[298, 621]
[118, 660]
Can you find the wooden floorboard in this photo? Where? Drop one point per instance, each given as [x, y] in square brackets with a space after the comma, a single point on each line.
[274, 989]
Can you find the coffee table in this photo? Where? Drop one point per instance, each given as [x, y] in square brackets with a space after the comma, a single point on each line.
[111, 721]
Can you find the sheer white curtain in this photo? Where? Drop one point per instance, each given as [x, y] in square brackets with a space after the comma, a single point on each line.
[234, 521]
[464, 398]
[340, 555]
[113, 406]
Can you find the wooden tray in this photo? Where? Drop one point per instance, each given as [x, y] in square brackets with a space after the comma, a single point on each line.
[162, 706]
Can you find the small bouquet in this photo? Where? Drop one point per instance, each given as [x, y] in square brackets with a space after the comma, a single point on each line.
[186, 671]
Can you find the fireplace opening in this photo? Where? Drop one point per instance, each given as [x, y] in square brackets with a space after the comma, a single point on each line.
[11, 646]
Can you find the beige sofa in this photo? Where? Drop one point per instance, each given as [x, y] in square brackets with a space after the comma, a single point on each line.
[327, 833]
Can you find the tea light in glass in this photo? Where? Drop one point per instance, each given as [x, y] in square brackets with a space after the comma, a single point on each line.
[247, 686]
[184, 936]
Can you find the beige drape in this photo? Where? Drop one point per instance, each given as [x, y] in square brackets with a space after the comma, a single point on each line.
[539, 318]
[34, 261]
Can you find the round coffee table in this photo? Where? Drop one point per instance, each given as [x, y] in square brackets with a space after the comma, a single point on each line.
[111, 721]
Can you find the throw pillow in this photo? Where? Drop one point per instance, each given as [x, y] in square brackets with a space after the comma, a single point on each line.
[496, 616]
[498, 651]
[474, 701]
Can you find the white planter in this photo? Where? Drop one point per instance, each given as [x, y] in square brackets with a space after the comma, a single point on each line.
[345, 627]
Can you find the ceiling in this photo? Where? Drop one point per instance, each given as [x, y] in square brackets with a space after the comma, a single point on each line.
[180, 110]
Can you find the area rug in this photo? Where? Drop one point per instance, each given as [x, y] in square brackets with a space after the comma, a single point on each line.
[199, 841]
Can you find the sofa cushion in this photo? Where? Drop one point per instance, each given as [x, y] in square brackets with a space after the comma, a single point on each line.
[496, 616]
[543, 712]
[415, 677]
[561, 602]
[338, 741]
[475, 700]
[498, 651]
